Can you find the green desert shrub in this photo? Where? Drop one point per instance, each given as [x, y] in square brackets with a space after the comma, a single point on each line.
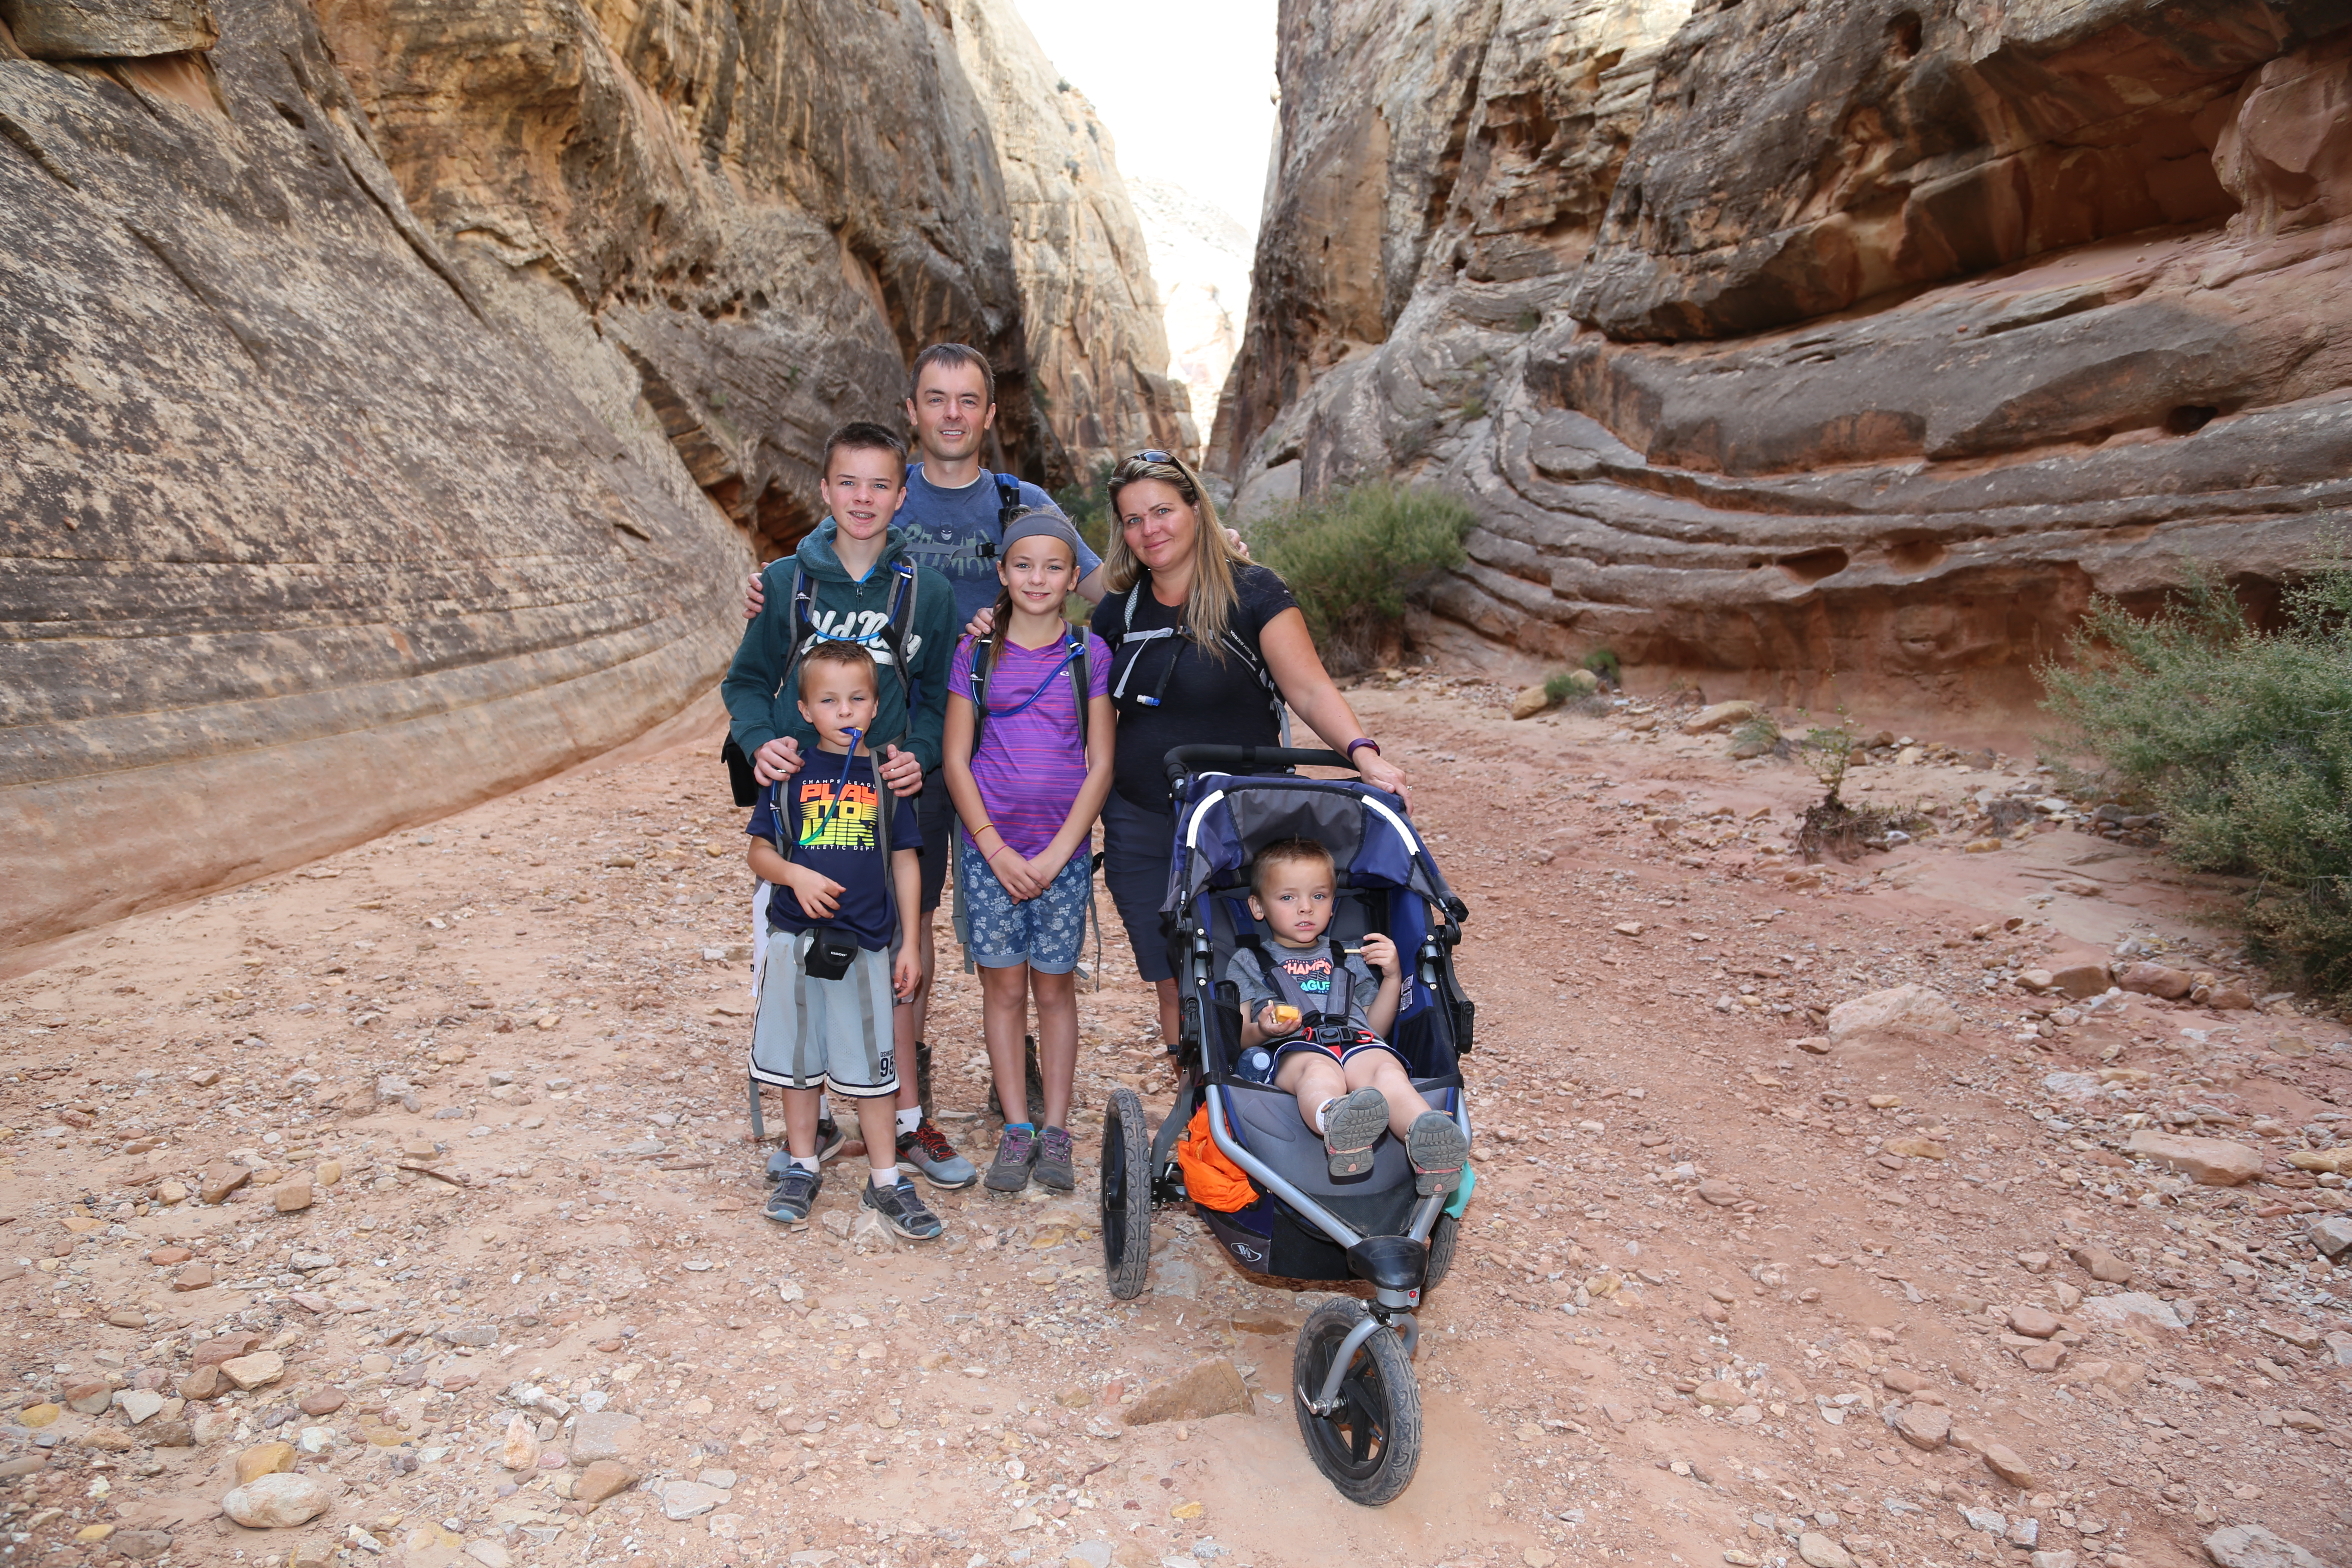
[1354, 557]
[2241, 739]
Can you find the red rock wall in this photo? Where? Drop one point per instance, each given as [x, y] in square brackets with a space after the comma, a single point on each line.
[1827, 350]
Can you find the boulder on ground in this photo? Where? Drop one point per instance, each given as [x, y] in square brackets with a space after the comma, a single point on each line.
[1206, 1388]
[2251, 1546]
[2209, 1162]
[1915, 1007]
[1719, 715]
[276, 1501]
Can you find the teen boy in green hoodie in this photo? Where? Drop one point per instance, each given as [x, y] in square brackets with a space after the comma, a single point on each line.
[859, 583]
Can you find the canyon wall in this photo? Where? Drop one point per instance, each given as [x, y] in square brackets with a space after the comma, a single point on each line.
[395, 394]
[1821, 352]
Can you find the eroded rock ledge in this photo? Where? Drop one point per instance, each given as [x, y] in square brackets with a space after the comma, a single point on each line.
[395, 394]
[1809, 349]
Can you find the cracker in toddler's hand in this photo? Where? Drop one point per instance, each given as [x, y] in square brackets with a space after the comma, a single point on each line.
[1286, 1016]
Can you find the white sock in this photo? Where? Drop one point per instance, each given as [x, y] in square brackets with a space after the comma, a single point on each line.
[886, 1176]
[824, 1109]
[1319, 1111]
[807, 1162]
[910, 1119]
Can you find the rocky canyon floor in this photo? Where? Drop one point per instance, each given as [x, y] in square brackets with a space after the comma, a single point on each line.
[408, 1195]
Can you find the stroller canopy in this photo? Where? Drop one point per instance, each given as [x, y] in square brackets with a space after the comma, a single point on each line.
[1230, 818]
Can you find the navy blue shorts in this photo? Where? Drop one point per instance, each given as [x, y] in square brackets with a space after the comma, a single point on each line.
[1137, 848]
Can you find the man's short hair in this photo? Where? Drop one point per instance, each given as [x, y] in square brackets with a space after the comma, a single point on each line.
[846, 656]
[865, 436]
[1289, 852]
[950, 354]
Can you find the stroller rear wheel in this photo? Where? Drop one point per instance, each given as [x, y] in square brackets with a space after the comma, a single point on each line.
[1370, 1443]
[1126, 1195]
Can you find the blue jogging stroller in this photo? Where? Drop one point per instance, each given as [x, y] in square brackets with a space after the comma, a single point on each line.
[1358, 1404]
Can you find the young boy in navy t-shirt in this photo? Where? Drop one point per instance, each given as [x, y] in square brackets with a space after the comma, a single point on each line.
[843, 878]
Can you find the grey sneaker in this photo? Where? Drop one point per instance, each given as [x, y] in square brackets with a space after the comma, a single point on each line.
[927, 1150]
[829, 1138]
[1054, 1160]
[795, 1194]
[901, 1209]
[1016, 1152]
[1437, 1149]
[1351, 1127]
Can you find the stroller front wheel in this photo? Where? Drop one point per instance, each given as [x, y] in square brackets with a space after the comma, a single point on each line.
[1126, 1195]
[1369, 1444]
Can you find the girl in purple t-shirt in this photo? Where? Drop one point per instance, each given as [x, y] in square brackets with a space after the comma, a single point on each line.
[1028, 794]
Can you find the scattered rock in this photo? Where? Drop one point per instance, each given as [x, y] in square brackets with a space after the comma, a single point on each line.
[607, 1435]
[1915, 1006]
[220, 1180]
[292, 1197]
[276, 1501]
[1206, 1388]
[1718, 1192]
[322, 1402]
[521, 1449]
[686, 1499]
[1529, 702]
[1721, 1394]
[1718, 716]
[2044, 1357]
[2251, 1546]
[2080, 982]
[89, 1398]
[2100, 1265]
[605, 1479]
[205, 1382]
[139, 1403]
[2135, 1310]
[195, 1276]
[2209, 1162]
[255, 1371]
[2332, 1236]
[2033, 1322]
[264, 1459]
[2156, 979]
[1926, 1426]
[1822, 1552]
[489, 1553]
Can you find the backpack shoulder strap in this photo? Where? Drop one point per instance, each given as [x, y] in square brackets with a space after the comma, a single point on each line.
[899, 614]
[796, 626]
[1079, 682]
[979, 692]
[1008, 501]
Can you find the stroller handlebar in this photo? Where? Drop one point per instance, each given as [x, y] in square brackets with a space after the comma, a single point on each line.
[1184, 761]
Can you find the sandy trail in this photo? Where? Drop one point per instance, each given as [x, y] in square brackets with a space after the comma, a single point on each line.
[505, 1050]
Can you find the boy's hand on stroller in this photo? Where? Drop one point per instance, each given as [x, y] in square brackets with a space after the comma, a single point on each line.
[906, 971]
[1378, 951]
[779, 759]
[755, 598]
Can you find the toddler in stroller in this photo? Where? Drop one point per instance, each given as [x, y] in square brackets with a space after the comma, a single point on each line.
[1325, 1009]
[1233, 1148]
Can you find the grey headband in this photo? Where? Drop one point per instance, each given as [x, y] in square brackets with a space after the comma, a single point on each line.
[1037, 520]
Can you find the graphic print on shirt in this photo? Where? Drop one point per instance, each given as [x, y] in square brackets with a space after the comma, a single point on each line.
[1308, 980]
[863, 627]
[851, 827]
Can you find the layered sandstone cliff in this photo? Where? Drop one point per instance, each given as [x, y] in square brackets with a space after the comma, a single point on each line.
[395, 394]
[1803, 346]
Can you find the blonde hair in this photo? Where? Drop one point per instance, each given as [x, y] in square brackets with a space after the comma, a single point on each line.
[1210, 603]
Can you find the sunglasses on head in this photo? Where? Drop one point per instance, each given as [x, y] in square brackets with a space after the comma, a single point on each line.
[1149, 455]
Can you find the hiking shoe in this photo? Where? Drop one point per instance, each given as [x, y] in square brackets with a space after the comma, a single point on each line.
[795, 1194]
[1351, 1127]
[1437, 1149]
[1053, 1159]
[901, 1209]
[829, 1138]
[1016, 1152]
[927, 1150]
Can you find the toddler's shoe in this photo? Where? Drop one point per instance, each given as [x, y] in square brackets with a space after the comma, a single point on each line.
[829, 1138]
[902, 1209]
[1437, 1149]
[1016, 1153]
[927, 1150]
[795, 1194]
[1054, 1160]
[1351, 1127]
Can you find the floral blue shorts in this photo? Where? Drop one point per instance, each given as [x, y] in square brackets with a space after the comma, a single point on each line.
[1043, 932]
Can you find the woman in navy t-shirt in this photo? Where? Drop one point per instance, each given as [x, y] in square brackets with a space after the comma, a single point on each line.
[1189, 624]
